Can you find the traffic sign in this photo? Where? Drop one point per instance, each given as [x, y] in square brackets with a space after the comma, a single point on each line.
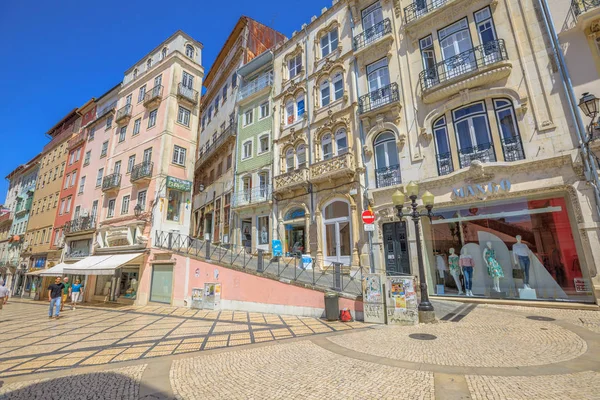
[368, 217]
[369, 227]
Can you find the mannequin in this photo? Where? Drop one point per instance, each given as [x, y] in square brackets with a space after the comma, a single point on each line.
[455, 269]
[521, 259]
[440, 264]
[494, 269]
[466, 263]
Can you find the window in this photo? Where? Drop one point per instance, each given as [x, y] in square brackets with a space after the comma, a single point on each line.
[158, 81]
[378, 77]
[338, 86]
[219, 170]
[341, 142]
[163, 53]
[125, 205]
[216, 105]
[148, 64]
[179, 155]
[301, 156]
[295, 66]
[62, 169]
[485, 26]
[387, 162]
[203, 122]
[264, 110]
[234, 80]
[247, 149]
[209, 113]
[94, 210]
[248, 116]
[104, 149]
[189, 51]
[68, 208]
[327, 147]
[147, 155]
[122, 134]
[300, 106]
[92, 132]
[229, 162]
[224, 93]
[81, 185]
[263, 144]
[509, 130]
[111, 208]
[183, 116]
[454, 40]
[325, 91]
[130, 163]
[187, 80]
[442, 147]
[329, 42]
[372, 18]
[289, 112]
[136, 126]
[152, 118]
[142, 94]
[263, 230]
[86, 159]
[117, 167]
[67, 180]
[473, 135]
[141, 199]
[109, 121]
[428, 58]
[71, 158]
[174, 205]
[289, 159]
[99, 177]
[135, 73]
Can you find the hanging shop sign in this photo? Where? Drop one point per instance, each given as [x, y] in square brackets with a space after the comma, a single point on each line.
[179, 184]
[482, 190]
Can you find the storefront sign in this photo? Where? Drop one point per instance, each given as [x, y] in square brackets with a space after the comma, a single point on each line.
[179, 184]
[277, 248]
[481, 190]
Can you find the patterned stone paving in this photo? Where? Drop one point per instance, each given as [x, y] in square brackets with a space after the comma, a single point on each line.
[87, 336]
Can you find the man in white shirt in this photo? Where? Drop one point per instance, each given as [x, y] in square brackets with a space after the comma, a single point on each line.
[3, 294]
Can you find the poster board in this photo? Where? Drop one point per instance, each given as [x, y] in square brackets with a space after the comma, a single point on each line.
[401, 300]
[373, 301]
[197, 298]
[212, 296]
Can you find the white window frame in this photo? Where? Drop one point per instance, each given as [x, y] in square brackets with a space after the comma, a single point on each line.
[294, 66]
[179, 154]
[86, 158]
[142, 93]
[125, 204]
[327, 140]
[81, 185]
[104, 150]
[264, 110]
[247, 149]
[260, 142]
[152, 118]
[141, 199]
[325, 93]
[249, 117]
[137, 124]
[190, 51]
[110, 212]
[329, 42]
[99, 177]
[130, 163]
[183, 116]
[301, 150]
[290, 160]
[122, 134]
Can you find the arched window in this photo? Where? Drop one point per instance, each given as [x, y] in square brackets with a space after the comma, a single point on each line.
[148, 64]
[338, 86]
[135, 73]
[189, 51]
[301, 156]
[337, 232]
[327, 147]
[509, 130]
[341, 141]
[289, 159]
[473, 134]
[442, 147]
[325, 93]
[246, 188]
[263, 184]
[163, 53]
[387, 162]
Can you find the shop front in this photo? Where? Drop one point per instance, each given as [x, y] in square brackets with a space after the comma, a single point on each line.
[295, 232]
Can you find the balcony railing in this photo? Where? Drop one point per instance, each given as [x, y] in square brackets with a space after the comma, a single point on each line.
[372, 34]
[6, 217]
[388, 176]
[340, 166]
[463, 63]
[106, 110]
[80, 224]
[258, 84]
[483, 152]
[124, 112]
[378, 98]
[110, 182]
[580, 6]
[513, 149]
[420, 8]
[75, 140]
[444, 163]
[253, 196]
[142, 171]
[229, 132]
[187, 93]
[290, 179]
[153, 95]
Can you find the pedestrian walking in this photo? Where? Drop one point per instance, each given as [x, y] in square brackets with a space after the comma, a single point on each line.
[75, 293]
[55, 292]
[66, 292]
[4, 292]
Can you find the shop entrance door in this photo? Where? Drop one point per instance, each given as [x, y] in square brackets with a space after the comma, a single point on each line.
[396, 249]
[161, 287]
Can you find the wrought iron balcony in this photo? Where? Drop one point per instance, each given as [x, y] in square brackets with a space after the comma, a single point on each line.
[388, 176]
[223, 138]
[513, 149]
[107, 109]
[124, 113]
[249, 88]
[420, 8]
[341, 166]
[372, 34]
[111, 182]
[444, 163]
[483, 152]
[80, 224]
[153, 96]
[378, 98]
[142, 171]
[188, 94]
[464, 63]
[290, 180]
[580, 6]
[253, 196]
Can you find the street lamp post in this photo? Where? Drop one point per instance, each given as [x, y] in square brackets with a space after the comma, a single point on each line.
[426, 311]
[589, 105]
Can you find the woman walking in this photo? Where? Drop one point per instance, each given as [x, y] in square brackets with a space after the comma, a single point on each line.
[75, 293]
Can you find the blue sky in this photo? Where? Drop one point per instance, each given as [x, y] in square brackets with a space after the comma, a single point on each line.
[59, 54]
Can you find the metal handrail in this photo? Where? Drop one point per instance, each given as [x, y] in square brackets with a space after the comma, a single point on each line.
[249, 88]
[463, 63]
[370, 35]
[230, 131]
[444, 163]
[388, 176]
[155, 92]
[483, 152]
[513, 148]
[111, 181]
[142, 170]
[580, 6]
[80, 224]
[255, 195]
[124, 111]
[420, 8]
[187, 92]
[378, 98]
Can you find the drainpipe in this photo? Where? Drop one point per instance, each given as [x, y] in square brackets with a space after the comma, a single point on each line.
[589, 164]
[362, 153]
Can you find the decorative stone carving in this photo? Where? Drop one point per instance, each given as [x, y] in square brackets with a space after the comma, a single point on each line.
[477, 173]
[367, 151]
[118, 236]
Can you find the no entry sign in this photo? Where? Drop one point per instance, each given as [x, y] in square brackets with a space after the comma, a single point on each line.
[368, 217]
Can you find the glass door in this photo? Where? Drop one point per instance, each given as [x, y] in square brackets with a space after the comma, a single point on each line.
[372, 17]
[338, 235]
[379, 82]
[456, 46]
[162, 283]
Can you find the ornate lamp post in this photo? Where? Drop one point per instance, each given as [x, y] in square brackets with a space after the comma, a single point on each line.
[426, 312]
[589, 105]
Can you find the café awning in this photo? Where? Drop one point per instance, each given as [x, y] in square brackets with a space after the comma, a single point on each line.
[101, 265]
[57, 270]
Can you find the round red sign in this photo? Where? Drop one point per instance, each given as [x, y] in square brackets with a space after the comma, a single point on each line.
[368, 217]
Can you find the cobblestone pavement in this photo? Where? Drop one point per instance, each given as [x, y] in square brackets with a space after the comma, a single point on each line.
[33, 343]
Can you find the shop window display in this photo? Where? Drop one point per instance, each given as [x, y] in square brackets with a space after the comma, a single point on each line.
[520, 248]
